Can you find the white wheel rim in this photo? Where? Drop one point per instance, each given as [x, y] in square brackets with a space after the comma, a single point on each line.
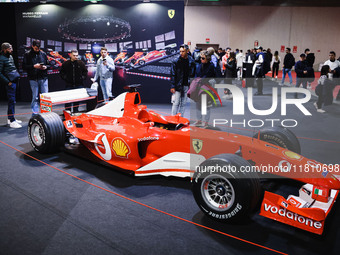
[37, 134]
[217, 192]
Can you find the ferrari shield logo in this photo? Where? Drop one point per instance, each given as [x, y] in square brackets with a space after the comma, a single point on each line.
[171, 13]
[197, 144]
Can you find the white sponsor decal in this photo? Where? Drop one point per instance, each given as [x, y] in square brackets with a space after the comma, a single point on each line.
[285, 166]
[107, 154]
[69, 124]
[150, 138]
[293, 216]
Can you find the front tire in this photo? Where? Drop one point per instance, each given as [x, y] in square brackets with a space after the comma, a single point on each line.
[229, 195]
[280, 136]
[46, 132]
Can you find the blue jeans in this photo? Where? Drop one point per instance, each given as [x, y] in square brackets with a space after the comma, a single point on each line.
[37, 86]
[178, 106]
[11, 101]
[284, 72]
[106, 86]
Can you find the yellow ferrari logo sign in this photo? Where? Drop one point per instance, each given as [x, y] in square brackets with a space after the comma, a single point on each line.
[171, 13]
[197, 144]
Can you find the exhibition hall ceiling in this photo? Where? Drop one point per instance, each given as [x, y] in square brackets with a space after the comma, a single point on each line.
[325, 3]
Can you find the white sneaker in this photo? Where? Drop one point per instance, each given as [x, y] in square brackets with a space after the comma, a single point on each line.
[320, 110]
[9, 122]
[316, 106]
[15, 124]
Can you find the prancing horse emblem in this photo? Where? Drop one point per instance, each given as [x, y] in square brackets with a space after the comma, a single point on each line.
[197, 144]
[171, 13]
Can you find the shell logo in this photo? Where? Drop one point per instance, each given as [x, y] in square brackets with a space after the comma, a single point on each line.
[120, 148]
[292, 155]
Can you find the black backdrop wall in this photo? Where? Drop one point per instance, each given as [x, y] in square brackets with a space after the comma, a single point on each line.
[149, 33]
[7, 34]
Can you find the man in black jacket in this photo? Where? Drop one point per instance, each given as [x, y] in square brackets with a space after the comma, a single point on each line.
[7, 69]
[182, 69]
[288, 63]
[36, 64]
[301, 72]
[310, 59]
[73, 72]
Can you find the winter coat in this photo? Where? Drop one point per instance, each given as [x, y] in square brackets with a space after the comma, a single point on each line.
[289, 61]
[30, 59]
[6, 66]
[177, 73]
[310, 59]
[230, 71]
[300, 67]
[326, 90]
[74, 73]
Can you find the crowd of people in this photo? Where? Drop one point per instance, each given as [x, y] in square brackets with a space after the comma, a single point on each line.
[232, 65]
[228, 65]
[36, 64]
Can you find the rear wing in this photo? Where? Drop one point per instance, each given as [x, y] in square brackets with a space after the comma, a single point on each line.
[48, 100]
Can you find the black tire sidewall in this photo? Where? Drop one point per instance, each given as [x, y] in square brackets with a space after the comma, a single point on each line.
[242, 192]
[46, 133]
[53, 137]
[282, 137]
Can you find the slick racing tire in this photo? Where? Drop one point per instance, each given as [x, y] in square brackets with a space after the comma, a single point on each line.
[46, 132]
[280, 136]
[226, 195]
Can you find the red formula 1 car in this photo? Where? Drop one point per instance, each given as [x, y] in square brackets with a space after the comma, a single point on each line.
[89, 58]
[123, 133]
[151, 56]
[56, 55]
[120, 58]
[132, 60]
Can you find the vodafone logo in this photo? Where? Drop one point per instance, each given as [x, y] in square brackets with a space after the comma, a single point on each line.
[293, 216]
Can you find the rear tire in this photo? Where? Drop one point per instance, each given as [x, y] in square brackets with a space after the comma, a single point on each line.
[46, 132]
[280, 136]
[228, 196]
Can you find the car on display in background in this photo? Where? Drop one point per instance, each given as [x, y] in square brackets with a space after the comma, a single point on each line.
[55, 63]
[151, 56]
[120, 58]
[156, 55]
[89, 58]
[125, 134]
[56, 55]
[132, 60]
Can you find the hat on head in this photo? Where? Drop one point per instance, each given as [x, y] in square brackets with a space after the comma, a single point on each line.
[258, 48]
[5, 46]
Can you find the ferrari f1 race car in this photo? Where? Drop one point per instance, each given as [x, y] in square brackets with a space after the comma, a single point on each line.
[125, 134]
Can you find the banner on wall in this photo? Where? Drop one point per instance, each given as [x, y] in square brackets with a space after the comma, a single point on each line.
[142, 38]
[282, 48]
